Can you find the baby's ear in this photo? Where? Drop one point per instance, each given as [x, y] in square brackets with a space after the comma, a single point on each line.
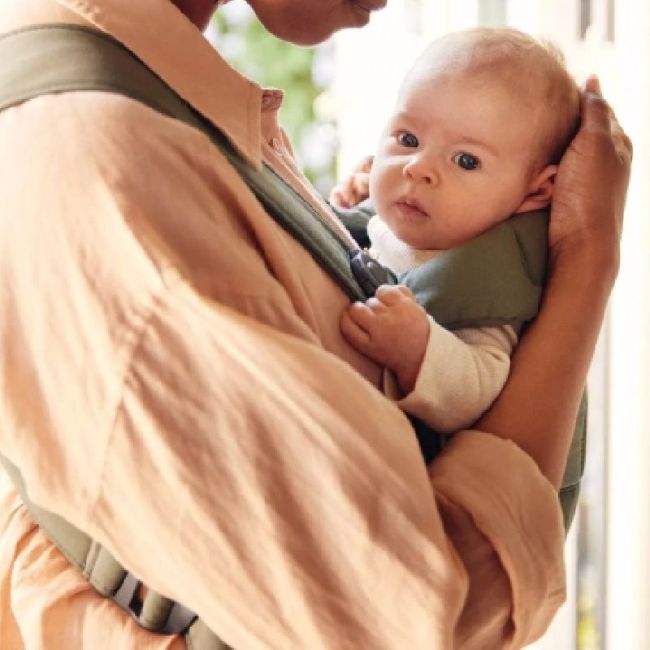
[540, 190]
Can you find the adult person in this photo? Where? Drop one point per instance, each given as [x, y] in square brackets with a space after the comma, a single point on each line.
[174, 381]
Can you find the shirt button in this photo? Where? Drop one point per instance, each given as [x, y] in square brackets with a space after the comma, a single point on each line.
[276, 144]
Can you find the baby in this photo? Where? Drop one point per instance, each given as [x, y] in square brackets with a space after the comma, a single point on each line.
[481, 122]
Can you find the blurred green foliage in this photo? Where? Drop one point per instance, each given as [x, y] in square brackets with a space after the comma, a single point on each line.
[274, 63]
[270, 62]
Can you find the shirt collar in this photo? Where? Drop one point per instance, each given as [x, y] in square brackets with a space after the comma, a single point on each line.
[163, 37]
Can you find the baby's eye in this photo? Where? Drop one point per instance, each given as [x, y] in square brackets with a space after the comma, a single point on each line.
[407, 139]
[467, 161]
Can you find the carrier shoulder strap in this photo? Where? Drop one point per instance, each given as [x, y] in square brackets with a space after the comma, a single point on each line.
[58, 58]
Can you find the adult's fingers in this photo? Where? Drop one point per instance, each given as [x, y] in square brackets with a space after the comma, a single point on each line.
[591, 185]
[622, 142]
[598, 115]
[592, 85]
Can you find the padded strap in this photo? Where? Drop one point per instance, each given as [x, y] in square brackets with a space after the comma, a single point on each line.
[494, 279]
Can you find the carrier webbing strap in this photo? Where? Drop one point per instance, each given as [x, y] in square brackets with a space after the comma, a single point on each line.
[47, 59]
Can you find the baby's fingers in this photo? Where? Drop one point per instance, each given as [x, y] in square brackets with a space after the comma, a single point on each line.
[341, 197]
[351, 191]
[353, 332]
[360, 186]
[392, 294]
[364, 313]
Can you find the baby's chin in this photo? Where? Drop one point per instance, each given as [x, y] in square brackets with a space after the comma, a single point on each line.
[415, 229]
[413, 237]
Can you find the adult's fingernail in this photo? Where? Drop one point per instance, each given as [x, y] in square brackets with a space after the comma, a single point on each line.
[593, 84]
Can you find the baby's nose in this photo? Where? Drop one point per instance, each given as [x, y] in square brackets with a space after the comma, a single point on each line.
[421, 170]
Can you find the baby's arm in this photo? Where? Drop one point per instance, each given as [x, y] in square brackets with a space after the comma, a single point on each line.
[461, 374]
[446, 379]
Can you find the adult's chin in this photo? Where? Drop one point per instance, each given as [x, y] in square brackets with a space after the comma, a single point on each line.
[291, 27]
[306, 22]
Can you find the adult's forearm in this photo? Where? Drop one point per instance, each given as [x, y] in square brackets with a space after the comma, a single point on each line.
[538, 406]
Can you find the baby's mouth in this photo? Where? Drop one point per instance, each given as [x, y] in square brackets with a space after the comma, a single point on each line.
[410, 209]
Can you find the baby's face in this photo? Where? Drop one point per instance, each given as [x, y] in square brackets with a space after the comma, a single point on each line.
[455, 159]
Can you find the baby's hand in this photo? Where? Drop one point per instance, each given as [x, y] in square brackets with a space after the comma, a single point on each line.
[390, 328]
[353, 189]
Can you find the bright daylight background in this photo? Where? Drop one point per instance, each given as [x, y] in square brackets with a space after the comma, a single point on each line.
[338, 97]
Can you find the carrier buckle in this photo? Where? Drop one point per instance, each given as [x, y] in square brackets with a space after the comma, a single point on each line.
[369, 273]
[128, 598]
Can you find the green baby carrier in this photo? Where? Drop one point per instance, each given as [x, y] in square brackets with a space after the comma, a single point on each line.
[67, 58]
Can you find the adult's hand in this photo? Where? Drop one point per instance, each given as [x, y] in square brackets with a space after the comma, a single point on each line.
[590, 188]
[538, 406]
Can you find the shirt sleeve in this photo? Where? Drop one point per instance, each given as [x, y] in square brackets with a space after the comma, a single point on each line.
[504, 556]
[273, 480]
[461, 374]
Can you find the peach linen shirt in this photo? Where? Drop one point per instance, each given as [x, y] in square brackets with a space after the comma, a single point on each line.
[174, 382]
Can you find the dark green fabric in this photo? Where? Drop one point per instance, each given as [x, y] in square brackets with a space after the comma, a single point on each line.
[77, 547]
[575, 465]
[356, 221]
[95, 562]
[494, 279]
[99, 567]
[497, 279]
[200, 637]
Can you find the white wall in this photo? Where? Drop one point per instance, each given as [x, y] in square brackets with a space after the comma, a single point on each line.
[628, 592]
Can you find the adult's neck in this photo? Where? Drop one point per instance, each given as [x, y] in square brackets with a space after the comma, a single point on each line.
[198, 11]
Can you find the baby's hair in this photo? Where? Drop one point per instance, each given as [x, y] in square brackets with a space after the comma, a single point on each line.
[557, 88]
[535, 69]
